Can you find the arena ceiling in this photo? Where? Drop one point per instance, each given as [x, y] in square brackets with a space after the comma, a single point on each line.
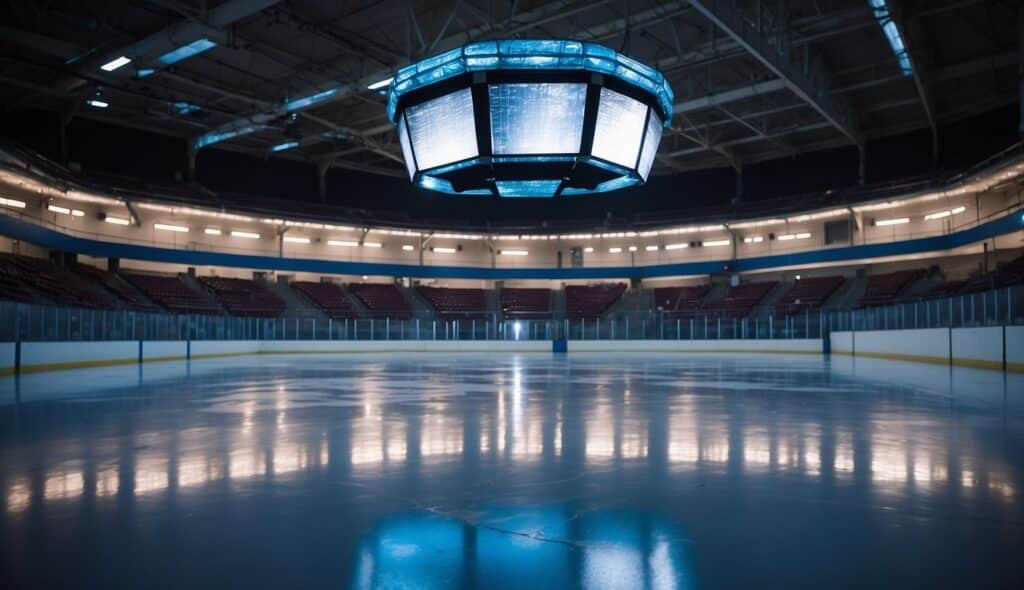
[754, 79]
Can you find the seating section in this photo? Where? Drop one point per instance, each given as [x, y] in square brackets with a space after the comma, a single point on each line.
[680, 301]
[25, 275]
[590, 301]
[382, 299]
[740, 301]
[118, 287]
[1006, 275]
[456, 303]
[172, 293]
[944, 289]
[808, 293]
[329, 297]
[244, 297]
[527, 304]
[885, 288]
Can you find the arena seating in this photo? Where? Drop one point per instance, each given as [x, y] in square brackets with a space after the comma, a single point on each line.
[590, 301]
[1007, 274]
[115, 285]
[244, 297]
[329, 297]
[680, 301]
[885, 288]
[944, 289]
[528, 304]
[808, 293]
[740, 301]
[382, 299]
[60, 286]
[171, 293]
[456, 303]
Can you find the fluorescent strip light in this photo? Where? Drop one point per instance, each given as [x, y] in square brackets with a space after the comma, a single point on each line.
[211, 231]
[799, 236]
[112, 65]
[676, 246]
[181, 229]
[58, 209]
[614, 250]
[245, 234]
[117, 220]
[651, 248]
[301, 103]
[588, 249]
[514, 252]
[443, 250]
[753, 239]
[97, 103]
[77, 213]
[712, 243]
[296, 240]
[342, 243]
[380, 84]
[12, 203]
[186, 51]
[408, 247]
[944, 214]
[632, 248]
[285, 146]
[896, 221]
[372, 245]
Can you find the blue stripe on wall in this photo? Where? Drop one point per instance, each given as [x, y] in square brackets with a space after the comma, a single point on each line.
[46, 237]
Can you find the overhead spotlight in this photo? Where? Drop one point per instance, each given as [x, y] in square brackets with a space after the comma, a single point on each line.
[113, 64]
[115, 220]
[380, 84]
[896, 221]
[168, 227]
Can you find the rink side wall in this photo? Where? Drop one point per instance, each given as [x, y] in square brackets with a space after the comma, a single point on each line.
[988, 348]
[996, 347]
[32, 357]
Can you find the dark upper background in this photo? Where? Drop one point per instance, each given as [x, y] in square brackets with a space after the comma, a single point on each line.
[965, 54]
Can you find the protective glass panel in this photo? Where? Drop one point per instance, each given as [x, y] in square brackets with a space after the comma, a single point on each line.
[442, 129]
[537, 118]
[403, 138]
[620, 127]
[651, 140]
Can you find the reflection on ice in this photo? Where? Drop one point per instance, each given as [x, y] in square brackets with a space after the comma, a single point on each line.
[541, 547]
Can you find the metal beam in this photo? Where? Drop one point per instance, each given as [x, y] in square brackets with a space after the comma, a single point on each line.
[713, 100]
[917, 50]
[725, 15]
[187, 31]
[523, 21]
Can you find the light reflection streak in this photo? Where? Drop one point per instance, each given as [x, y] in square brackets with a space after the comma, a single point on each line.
[515, 433]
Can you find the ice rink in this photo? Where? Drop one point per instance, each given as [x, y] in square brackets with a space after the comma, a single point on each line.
[531, 470]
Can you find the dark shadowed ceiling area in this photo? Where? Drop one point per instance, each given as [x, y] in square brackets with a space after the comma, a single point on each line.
[788, 96]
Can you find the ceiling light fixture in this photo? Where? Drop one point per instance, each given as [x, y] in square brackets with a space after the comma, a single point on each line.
[561, 117]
